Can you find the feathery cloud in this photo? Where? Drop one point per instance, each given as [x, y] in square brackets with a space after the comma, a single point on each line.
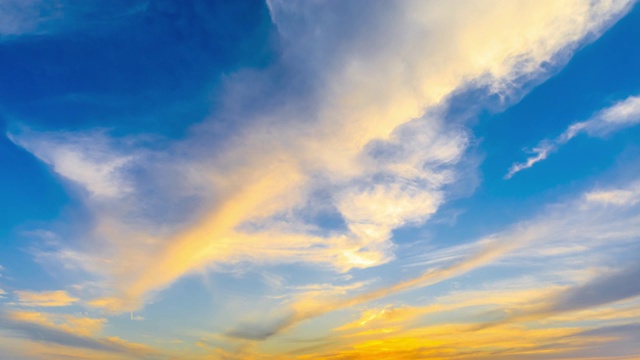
[621, 115]
[87, 159]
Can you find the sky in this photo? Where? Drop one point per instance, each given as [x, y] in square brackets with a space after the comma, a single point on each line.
[294, 179]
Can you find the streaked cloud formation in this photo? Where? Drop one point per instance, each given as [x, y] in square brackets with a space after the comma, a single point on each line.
[620, 115]
[571, 229]
[365, 140]
[305, 214]
[86, 159]
[69, 331]
[45, 298]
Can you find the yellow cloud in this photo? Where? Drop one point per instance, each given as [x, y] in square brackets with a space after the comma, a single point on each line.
[45, 298]
[70, 323]
[66, 335]
[386, 317]
[449, 341]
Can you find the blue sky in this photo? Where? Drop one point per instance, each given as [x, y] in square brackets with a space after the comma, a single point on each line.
[334, 179]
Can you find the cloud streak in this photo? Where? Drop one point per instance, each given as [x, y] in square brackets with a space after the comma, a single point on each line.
[583, 221]
[616, 286]
[613, 286]
[68, 331]
[86, 159]
[308, 308]
[621, 115]
[56, 298]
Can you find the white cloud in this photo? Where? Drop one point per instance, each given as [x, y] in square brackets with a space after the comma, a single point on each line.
[88, 159]
[541, 152]
[621, 115]
[626, 197]
[371, 138]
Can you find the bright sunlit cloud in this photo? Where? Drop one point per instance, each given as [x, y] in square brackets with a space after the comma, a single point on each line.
[45, 298]
[622, 114]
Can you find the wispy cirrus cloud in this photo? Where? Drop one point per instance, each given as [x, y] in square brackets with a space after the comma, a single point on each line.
[370, 143]
[86, 159]
[71, 332]
[622, 197]
[300, 185]
[613, 286]
[557, 302]
[593, 227]
[621, 115]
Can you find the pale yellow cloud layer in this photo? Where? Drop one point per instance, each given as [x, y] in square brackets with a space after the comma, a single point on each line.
[45, 298]
[73, 324]
[412, 332]
[40, 335]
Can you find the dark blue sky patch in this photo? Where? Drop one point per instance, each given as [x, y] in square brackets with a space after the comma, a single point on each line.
[152, 68]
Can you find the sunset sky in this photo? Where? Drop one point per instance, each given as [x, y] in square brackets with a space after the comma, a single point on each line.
[319, 179]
